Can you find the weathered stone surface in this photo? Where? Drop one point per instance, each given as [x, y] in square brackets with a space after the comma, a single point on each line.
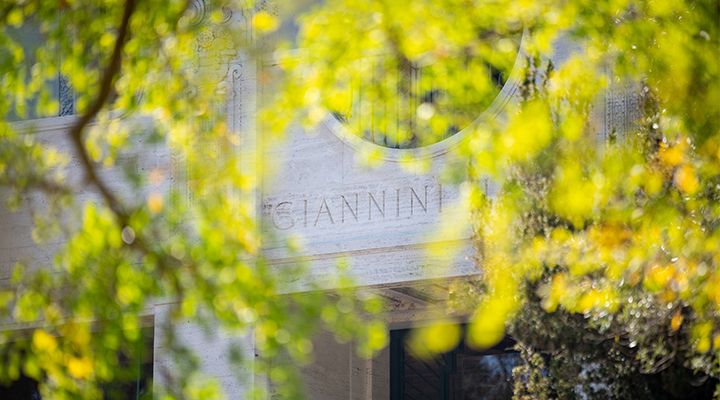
[377, 220]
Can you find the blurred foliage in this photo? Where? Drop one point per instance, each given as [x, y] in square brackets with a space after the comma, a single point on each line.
[400, 74]
[600, 249]
[146, 75]
[599, 254]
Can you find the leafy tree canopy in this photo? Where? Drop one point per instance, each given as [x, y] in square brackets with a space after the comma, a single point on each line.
[143, 74]
[615, 238]
[618, 231]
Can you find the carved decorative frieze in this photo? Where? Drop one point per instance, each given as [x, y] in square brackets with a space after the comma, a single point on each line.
[623, 110]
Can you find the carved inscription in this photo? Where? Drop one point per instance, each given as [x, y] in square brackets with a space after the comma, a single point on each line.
[307, 211]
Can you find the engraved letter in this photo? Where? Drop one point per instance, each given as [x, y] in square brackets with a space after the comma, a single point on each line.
[397, 203]
[345, 203]
[305, 214]
[371, 200]
[282, 216]
[414, 196]
[327, 211]
[440, 196]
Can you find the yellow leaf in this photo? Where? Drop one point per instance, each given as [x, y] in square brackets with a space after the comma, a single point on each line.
[558, 289]
[377, 336]
[676, 321]
[79, 368]
[265, 22]
[658, 277]
[572, 195]
[590, 300]
[488, 325]
[528, 132]
[15, 17]
[653, 183]
[43, 341]
[686, 180]
[155, 203]
[673, 155]
[701, 335]
[437, 338]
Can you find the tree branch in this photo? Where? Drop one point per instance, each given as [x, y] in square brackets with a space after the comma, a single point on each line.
[76, 136]
[106, 84]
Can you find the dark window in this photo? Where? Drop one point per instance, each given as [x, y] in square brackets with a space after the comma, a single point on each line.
[22, 389]
[461, 374]
[134, 381]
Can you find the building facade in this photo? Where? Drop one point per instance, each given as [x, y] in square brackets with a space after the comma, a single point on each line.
[380, 221]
